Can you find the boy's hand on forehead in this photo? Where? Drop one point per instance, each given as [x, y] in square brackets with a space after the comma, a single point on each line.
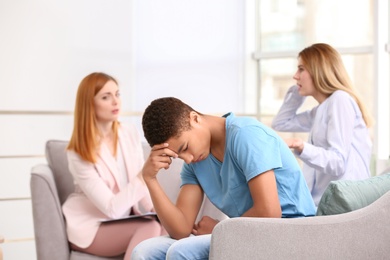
[164, 150]
[160, 157]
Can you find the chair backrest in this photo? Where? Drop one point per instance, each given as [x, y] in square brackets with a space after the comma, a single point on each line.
[58, 162]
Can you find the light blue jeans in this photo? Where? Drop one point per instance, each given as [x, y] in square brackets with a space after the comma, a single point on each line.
[164, 247]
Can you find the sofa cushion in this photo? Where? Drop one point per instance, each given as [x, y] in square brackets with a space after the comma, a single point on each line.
[347, 195]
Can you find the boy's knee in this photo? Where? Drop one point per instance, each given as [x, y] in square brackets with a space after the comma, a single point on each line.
[140, 252]
[136, 254]
[178, 251]
[193, 247]
[152, 248]
[175, 252]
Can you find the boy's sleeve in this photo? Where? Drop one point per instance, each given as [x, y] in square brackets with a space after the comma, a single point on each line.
[256, 151]
[187, 175]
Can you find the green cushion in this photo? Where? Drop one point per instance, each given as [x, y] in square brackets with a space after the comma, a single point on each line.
[345, 195]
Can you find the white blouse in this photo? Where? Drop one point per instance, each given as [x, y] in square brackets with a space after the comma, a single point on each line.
[123, 178]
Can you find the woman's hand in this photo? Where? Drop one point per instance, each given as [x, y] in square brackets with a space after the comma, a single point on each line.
[295, 143]
[160, 157]
[204, 226]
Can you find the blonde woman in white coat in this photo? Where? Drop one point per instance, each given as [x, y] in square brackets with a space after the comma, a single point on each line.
[339, 144]
[105, 159]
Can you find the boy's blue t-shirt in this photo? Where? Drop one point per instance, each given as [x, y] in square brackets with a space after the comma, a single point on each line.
[251, 148]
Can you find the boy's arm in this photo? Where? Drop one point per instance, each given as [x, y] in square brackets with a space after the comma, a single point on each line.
[265, 196]
[265, 202]
[177, 219]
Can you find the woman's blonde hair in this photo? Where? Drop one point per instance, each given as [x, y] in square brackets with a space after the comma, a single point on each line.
[86, 136]
[328, 73]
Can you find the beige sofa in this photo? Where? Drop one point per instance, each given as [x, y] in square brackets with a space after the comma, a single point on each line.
[51, 183]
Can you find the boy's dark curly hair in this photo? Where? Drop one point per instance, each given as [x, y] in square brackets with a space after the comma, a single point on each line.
[165, 118]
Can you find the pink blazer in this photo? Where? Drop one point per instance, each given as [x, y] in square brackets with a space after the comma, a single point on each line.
[97, 193]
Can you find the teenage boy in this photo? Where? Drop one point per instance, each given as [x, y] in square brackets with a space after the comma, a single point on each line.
[243, 166]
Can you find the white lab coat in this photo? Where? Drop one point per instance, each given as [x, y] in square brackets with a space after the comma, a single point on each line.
[339, 145]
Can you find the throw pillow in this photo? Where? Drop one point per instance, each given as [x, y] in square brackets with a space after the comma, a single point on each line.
[346, 195]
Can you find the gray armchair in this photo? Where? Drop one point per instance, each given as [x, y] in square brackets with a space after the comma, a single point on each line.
[359, 234]
[50, 186]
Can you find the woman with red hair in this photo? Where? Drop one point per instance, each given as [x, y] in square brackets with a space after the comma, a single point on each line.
[105, 159]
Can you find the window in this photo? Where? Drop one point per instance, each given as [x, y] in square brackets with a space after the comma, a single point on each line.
[285, 27]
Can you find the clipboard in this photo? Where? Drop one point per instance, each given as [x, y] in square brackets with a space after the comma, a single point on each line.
[149, 215]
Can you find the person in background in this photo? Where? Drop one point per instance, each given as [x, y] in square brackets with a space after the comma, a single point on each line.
[243, 166]
[105, 159]
[339, 144]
